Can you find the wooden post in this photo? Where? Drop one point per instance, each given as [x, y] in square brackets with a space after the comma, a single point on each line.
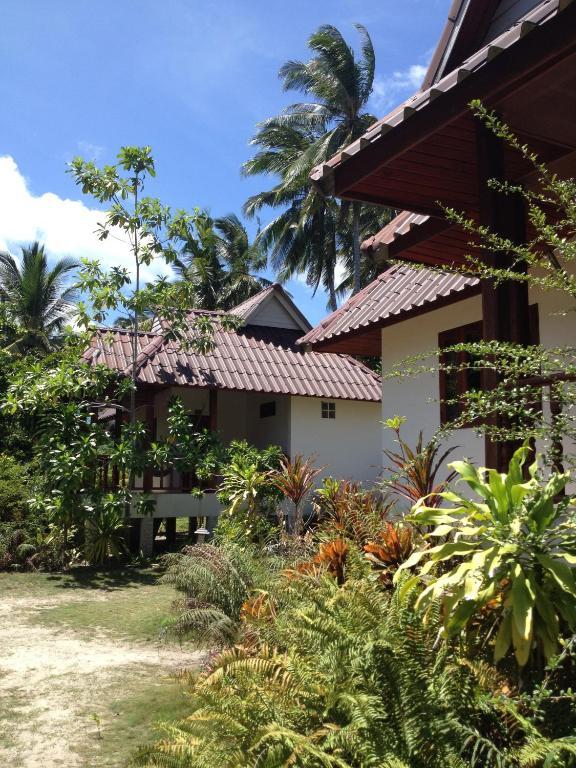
[148, 478]
[505, 307]
[170, 524]
[118, 420]
[213, 415]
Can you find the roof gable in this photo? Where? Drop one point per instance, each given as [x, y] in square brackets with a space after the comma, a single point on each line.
[471, 24]
[274, 308]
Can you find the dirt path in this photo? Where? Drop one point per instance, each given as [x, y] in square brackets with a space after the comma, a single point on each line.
[50, 677]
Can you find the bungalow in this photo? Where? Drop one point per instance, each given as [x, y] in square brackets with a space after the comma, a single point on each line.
[519, 58]
[257, 384]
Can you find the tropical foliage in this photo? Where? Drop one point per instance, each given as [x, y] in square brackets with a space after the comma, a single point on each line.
[412, 472]
[216, 583]
[36, 299]
[511, 553]
[295, 480]
[312, 233]
[220, 263]
[347, 675]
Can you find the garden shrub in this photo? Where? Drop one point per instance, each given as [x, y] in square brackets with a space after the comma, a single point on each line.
[13, 490]
[216, 581]
[251, 500]
[348, 676]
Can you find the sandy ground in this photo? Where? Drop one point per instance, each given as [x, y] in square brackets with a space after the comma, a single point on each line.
[52, 675]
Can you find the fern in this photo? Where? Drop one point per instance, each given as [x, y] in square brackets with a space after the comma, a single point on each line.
[350, 677]
[217, 582]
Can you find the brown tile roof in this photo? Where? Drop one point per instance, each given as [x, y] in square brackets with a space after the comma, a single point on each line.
[252, 359]
[400, 225]
[396, 293]
[482, 58]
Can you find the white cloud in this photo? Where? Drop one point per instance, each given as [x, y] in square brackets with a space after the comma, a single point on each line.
[66, 227]
[391, 90]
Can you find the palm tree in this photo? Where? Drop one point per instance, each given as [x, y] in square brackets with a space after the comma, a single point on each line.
[36, 298]
[302, 238]
[339, 87]
[220, 261]
[242, 258]
[372, 219]
[312, 233]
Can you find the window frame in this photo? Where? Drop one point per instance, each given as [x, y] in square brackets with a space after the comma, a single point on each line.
[457, 335]
[328, 409]
[450, 338]
[267, 410]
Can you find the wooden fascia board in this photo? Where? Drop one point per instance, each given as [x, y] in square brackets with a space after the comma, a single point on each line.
[551, 41]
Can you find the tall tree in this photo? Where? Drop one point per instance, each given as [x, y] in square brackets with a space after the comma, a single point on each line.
[220, 262]
[338, 86]
[37, 299]
[302, 238]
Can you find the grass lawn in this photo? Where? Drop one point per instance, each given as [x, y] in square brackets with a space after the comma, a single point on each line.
[120, 725]
[107, 681]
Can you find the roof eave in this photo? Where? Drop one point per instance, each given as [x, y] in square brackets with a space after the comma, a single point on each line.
[448, 99]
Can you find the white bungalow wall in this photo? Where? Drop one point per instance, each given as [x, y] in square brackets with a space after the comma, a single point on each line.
[349, 446]
[269, 430]
[417, 397]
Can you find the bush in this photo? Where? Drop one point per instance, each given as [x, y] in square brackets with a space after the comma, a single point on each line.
[13, 490]
[249, 495]
[349, 677]
[216, 582]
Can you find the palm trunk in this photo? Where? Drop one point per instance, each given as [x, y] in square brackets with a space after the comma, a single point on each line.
[356, 246]
[332, 300]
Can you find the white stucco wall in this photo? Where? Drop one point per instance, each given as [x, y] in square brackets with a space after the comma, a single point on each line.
[269, 430]
[232, 415]
[417, 398]
[349, 446]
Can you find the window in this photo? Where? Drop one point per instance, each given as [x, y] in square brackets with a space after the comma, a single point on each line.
[328, 410]
[267, 409]
[454, 383]
[459, 378]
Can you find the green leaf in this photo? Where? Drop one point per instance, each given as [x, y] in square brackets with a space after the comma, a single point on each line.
[522, 646]
[460, 617]
[522, 602]
[561, 572]
[413, 560]
[442, 530]
[501, 497]
[503, 638]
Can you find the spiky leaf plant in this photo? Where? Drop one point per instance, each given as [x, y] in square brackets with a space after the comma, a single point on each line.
[514, 546]
[216, 582]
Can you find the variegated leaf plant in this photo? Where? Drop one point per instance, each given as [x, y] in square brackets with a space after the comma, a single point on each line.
[513, 548]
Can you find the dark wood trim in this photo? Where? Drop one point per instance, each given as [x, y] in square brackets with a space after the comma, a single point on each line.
[150, 420]
[527, 57]
[450, 338]
[213, 410]
[505, 305]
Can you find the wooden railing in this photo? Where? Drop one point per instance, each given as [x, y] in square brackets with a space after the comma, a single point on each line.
[153, 480]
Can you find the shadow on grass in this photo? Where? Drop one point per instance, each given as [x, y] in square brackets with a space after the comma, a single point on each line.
[106, 579]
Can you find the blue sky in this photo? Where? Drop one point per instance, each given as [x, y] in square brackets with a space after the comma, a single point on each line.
[190, 78]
